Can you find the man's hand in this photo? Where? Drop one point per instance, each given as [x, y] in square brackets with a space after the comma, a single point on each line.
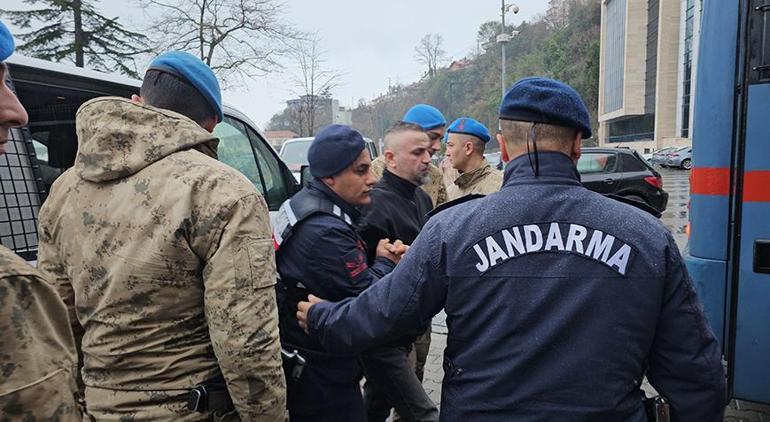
[398, 248]
[303, 309]
[384, 248]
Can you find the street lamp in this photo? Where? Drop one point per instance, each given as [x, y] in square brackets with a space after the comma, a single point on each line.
[504, 38]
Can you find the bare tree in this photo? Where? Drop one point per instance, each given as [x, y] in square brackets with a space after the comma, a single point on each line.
[243, 38]
[430, 53]
[313, 82]
[75, 30]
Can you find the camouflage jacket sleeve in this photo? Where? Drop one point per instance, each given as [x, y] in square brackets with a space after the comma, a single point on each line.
[50, 262]
[37, 351]
[239, 278]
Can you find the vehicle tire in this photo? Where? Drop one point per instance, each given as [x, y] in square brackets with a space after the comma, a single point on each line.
[687, 164]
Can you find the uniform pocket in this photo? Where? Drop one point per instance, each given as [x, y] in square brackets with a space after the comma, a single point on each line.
[261, 257]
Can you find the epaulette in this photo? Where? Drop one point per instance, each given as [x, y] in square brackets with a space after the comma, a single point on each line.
[450, 204]
[633, 202]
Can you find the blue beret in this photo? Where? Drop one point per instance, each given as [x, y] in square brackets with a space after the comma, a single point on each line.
[192, 70]
[468, 126]
[6, 42]
[334, 148]
[426, 116]
[543, 100]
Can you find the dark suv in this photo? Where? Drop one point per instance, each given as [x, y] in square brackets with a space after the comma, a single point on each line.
[622, 172]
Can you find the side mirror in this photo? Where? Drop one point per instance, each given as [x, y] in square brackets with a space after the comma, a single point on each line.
[304, 176]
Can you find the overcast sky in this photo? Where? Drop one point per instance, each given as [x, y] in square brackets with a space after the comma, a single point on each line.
[371, 42]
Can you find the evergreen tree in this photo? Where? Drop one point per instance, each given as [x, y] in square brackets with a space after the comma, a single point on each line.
[74, 30]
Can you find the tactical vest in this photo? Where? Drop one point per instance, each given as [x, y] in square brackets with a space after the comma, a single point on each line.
[298, 208]
[290, 291]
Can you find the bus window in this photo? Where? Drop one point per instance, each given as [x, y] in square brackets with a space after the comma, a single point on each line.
[277, 188]
[55, 150]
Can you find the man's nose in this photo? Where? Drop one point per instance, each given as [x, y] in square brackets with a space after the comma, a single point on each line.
[12, 113]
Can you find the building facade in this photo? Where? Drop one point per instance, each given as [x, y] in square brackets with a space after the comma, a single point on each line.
[647, 72]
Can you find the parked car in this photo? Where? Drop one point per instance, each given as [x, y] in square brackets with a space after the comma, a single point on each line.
[622, 172]
[659, 156]
[681, 158]
[39, 152]
[294, 153]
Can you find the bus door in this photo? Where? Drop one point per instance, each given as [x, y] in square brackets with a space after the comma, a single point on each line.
[748, 347]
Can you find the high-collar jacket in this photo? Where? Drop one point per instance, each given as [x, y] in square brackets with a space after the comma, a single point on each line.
[558, 301]
[397, 212]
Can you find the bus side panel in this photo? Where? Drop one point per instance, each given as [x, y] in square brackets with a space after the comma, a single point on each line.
[752, 347]
[712, 146]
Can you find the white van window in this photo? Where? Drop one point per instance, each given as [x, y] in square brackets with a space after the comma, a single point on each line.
[19, 197]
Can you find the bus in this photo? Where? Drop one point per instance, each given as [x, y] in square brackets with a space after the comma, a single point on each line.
[728, 254]
[41, 151]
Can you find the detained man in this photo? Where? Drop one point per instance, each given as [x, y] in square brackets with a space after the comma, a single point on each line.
[398, 211]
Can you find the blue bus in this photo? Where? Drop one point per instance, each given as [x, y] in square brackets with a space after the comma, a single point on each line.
[729, 248]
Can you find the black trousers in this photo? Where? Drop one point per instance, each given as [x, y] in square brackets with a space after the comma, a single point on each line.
[392, 383]
[327, 391]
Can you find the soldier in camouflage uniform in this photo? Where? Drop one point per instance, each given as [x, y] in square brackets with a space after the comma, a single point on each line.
[164, 257]
[466, 141]
[37, 350]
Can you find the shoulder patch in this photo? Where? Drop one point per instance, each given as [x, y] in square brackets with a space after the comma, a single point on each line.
[355, 261]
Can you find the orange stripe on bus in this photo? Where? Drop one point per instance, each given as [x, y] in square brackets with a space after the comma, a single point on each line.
[756, 186]
[710, 181]
[716, 181]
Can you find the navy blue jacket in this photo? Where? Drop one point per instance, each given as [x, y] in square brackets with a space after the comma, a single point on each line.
[328, 257]
[557, 300]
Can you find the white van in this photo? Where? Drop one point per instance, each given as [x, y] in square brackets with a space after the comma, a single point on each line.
[38, 153]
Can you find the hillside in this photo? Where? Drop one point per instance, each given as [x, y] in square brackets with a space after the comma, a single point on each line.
[568, 51]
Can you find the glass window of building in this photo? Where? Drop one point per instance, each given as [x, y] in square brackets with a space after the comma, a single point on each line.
[614, 40]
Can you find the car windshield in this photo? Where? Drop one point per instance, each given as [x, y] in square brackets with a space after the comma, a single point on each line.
[295, 152]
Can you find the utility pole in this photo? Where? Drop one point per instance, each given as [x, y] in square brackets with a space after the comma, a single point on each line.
[502, 40]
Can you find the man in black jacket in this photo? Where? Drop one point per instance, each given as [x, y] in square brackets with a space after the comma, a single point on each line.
[398, 211]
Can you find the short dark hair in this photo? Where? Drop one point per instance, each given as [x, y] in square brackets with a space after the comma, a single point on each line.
[516, 132]
[399, 127]
[164, 90]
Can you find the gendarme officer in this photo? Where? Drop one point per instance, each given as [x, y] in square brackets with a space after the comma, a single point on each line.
[558, 299]
[320, 252]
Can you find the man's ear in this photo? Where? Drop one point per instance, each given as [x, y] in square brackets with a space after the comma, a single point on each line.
[137, 99]
[209, 124]
[328, 180]
[468, 148]
[503, 151]
[389, 158]
[577, 144]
